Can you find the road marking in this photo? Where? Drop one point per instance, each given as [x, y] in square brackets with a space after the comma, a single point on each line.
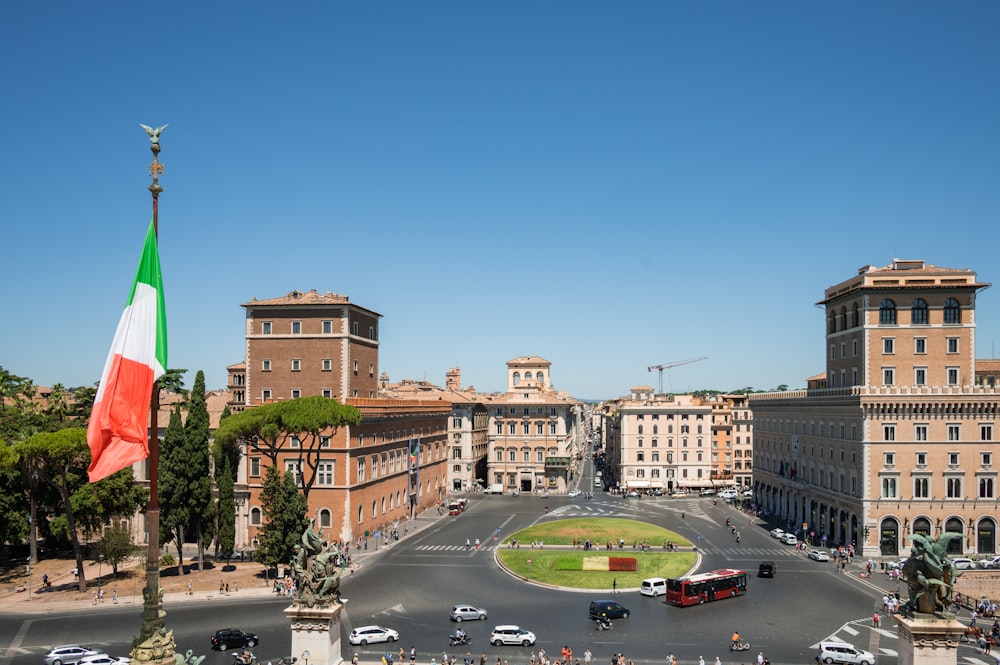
[890, 652]
[850, 630]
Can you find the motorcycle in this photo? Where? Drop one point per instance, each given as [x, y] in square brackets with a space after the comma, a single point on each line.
[739, 646]
[244, 658]
[457, 641]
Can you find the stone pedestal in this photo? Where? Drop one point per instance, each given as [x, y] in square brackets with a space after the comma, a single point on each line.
[316, 630]
[928, 641]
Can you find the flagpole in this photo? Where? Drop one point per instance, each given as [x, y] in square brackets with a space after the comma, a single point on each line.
[155, 644]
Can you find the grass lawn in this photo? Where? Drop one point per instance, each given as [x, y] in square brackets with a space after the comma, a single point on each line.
[562, 567]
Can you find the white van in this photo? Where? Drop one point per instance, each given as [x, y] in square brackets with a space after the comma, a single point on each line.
[654, 586]
[495, 488]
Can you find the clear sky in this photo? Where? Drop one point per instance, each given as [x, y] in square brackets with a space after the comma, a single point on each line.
[608, 185]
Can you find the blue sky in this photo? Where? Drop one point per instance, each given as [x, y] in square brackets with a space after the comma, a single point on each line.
[608, 185]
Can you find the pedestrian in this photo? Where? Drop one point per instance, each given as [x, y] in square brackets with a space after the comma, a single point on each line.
[614, 585]
[354, 661]
[100, 595]
[973, 615]
[413, 655]
[701, 660]
[875, 619]
[982, 643]
[191, 593]
[718, 661]
[94, 597]
[760, 658]
[237, 587]
[227, 587]
[114, 597]
[482, 658]
[401, 654]
[587, 656]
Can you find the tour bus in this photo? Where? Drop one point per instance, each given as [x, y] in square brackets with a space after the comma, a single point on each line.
[705, 587]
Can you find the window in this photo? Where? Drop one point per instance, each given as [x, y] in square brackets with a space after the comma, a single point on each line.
[294, 467]
[920, 346]
[889, 432]
[986, 432]
[919, 376]
[296, 365]
[526, 455]
[952, 459]
[887, 313]
[265, 395]
[354, 328]
[265, 365]
[951, 344]
[371, 332]
[920, 432]
[327, 364]
[355, 368]
[296, 327]
[888, 376]
[552, 428]
[888, 345]
[986, 459]
[953, 488]
[890, 459]
[952, 312]
[952, 373]
[540, 456]
[255, 516]
[361, 469]
[324, 472]
[918, 312]
[296, 393]
[328, 327]
[255, 467]
[921, 459]
[327, 393]
[985, 488]
[954, 432]
[265, 327]
[512, 455]
[921, 487]
[888, 488]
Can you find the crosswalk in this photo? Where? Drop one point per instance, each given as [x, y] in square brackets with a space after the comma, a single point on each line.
[862, 634]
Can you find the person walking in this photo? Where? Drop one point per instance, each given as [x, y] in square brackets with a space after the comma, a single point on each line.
[587, 656]
[413, 655]
[701, 660]
[614, 585]
[875, 619]
[114, 597]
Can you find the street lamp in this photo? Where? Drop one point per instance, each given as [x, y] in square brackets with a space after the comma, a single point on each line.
[100, 562]
[305, 656]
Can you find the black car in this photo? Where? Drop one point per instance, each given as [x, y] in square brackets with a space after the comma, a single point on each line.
[766, 569]
[232, 637]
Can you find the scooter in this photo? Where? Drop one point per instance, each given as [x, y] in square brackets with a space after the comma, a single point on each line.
[603, 624]
[460, 641]
[739, 646]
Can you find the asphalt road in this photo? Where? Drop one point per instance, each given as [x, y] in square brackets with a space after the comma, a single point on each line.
[411, 586]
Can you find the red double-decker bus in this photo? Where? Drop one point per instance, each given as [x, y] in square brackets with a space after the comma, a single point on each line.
[706, 587]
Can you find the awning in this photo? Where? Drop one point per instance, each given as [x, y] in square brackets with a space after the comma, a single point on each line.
[638, 483]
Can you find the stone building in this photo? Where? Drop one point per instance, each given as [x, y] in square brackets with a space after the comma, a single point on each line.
[901, 438]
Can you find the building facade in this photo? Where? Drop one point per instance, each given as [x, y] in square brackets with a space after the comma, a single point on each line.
[901, 440]
[534, 432]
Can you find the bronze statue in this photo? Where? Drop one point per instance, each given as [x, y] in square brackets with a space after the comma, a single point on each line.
[929, 576]
[154, 133]
[314, 568]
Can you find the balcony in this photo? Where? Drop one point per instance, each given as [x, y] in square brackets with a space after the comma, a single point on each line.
[721, 475]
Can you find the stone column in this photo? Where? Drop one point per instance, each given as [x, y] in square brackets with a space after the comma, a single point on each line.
[316, 632]
[928, 641]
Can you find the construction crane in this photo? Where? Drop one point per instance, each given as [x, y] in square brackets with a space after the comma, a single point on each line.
[673, 364]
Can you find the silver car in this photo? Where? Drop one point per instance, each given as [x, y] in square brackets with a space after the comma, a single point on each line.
[69, 654]
[467, 613]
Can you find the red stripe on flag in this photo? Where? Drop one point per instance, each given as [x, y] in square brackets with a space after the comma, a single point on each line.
[117, 434]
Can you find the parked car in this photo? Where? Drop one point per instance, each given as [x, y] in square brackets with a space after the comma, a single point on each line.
[990, 563]
[68, 654]
[679, 495]
[962, 563]
[708, 492]
[789, 539]
[233, 637]
[777, 533]
[728, 494]
[371, 634]
[842, 652]
[632, 494]
[818, 555]
[511, 635]
[467, 612]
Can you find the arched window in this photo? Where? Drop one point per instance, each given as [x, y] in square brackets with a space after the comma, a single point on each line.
[843, 318]
[517, 378]
[918, 312]
[952, 312]
[255, 516]
[361, 514]
[954, 525]
[527, 376]
[831, 322]
[539, 377]
[325, 520]
[887, 313]
[855, 320]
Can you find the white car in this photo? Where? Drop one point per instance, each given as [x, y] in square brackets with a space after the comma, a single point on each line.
[748, 493]
[990, 563]
[895, 565]
[818, 555]
[573, 493]
[370, 634]
[104, 659]
[69, 654]
[777, 533]
[632, 494]
[728, 494]
[512, 635]
[962, 563]
[842, 652]
[466, 612]
[789, 539]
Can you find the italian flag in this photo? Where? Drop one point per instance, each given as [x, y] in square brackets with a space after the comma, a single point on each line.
[117, 434]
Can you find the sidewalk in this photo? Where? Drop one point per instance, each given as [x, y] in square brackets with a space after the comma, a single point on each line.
[244, 576]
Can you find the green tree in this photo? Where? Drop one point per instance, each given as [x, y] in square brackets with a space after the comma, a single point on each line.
[267, 428]
[108, 500]
[58, 406]
[174, 509]
[10, 385]
[61, 459]
[199, 478]
[13, 516]
[116, 546]
[285, 514]
[225, 511]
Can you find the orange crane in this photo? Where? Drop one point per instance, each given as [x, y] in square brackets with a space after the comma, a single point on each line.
[673, 364]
